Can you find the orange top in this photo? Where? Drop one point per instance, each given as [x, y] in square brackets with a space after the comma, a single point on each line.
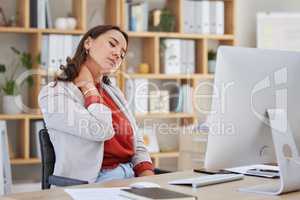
[120, 148]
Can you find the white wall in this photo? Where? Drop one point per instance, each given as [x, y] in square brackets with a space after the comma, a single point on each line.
[246, 16]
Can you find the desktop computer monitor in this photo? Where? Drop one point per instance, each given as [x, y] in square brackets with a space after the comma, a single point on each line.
[249, 81]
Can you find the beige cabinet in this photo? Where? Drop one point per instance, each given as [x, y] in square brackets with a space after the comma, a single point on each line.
[192, 147]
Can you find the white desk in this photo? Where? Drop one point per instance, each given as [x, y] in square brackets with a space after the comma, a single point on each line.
[220, 191]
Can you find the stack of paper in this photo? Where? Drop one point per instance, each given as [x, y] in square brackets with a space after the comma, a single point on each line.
[96, 193]
[244, 169]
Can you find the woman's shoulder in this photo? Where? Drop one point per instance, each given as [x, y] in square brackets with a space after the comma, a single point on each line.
[58, 87]
[112, 87]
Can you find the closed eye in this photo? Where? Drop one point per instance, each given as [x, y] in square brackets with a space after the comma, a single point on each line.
[112, 44]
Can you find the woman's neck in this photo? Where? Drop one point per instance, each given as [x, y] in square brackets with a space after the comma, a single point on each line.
[91, 64]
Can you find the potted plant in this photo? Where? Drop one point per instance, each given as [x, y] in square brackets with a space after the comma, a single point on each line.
[212, 55]
[166, 21]
[11, 91]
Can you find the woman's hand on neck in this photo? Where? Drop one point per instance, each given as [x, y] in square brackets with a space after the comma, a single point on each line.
[93, 67]
[86, 82]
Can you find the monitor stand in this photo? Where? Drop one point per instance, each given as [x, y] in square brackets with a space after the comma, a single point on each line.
[287, 157]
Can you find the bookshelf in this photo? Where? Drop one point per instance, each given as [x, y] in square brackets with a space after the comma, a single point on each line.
[115, 14]
[150, 54]
[23, 156]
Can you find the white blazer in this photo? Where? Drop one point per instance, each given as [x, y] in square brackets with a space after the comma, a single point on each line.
[78, 133]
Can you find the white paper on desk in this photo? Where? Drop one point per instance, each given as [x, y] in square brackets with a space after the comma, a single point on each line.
[96, 193]
[244, 169]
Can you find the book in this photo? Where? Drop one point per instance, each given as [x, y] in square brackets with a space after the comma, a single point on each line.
[154, 101]
[187, 93]
[159, 101]
[154, 193]
[173, 89]
[49, 22]
[136, 15]
[33, 13]
[38, 13]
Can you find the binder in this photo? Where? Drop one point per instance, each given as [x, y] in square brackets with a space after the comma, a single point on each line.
[45, 51]
[190, 59]
[220, 17]
[67, 48]
[41, 21]
[172, 59]
[201, 16]
[52, 59]
[216, 17]
[184, 56]
[189, 19]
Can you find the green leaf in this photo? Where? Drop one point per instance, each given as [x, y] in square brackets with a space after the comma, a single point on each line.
[211, 55]
[16, 51]
[26, 60]
[38, 59]
[2, 68]
[30, 81]
[10, 87]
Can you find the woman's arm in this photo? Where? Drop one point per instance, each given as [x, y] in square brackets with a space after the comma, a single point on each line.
[141, 160]
[62, 113]
[147, 173]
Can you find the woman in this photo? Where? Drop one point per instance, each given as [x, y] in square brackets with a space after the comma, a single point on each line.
[95, 136]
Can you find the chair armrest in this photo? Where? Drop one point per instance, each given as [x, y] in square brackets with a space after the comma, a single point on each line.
[64, 181]
[160, 171]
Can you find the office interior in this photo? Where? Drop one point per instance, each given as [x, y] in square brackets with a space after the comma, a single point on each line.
[174, 113]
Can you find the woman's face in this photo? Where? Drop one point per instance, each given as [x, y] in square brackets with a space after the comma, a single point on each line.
[106, 52]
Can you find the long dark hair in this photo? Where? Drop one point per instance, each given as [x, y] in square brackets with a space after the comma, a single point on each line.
[72, 68]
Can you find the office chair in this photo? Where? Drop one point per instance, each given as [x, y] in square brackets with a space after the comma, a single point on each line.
[48, 161]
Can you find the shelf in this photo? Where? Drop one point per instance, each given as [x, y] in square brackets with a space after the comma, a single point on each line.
[165, 115]
[180, 35]
[42, 31]
[172, 154]
[16, 30]
[21, 161]
[56, 31]
[170, 76]
[20, 116]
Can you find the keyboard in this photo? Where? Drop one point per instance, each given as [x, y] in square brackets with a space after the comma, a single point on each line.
[200, 181]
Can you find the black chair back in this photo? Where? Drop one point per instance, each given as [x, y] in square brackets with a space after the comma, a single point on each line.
[48, 162]
[48, 157]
